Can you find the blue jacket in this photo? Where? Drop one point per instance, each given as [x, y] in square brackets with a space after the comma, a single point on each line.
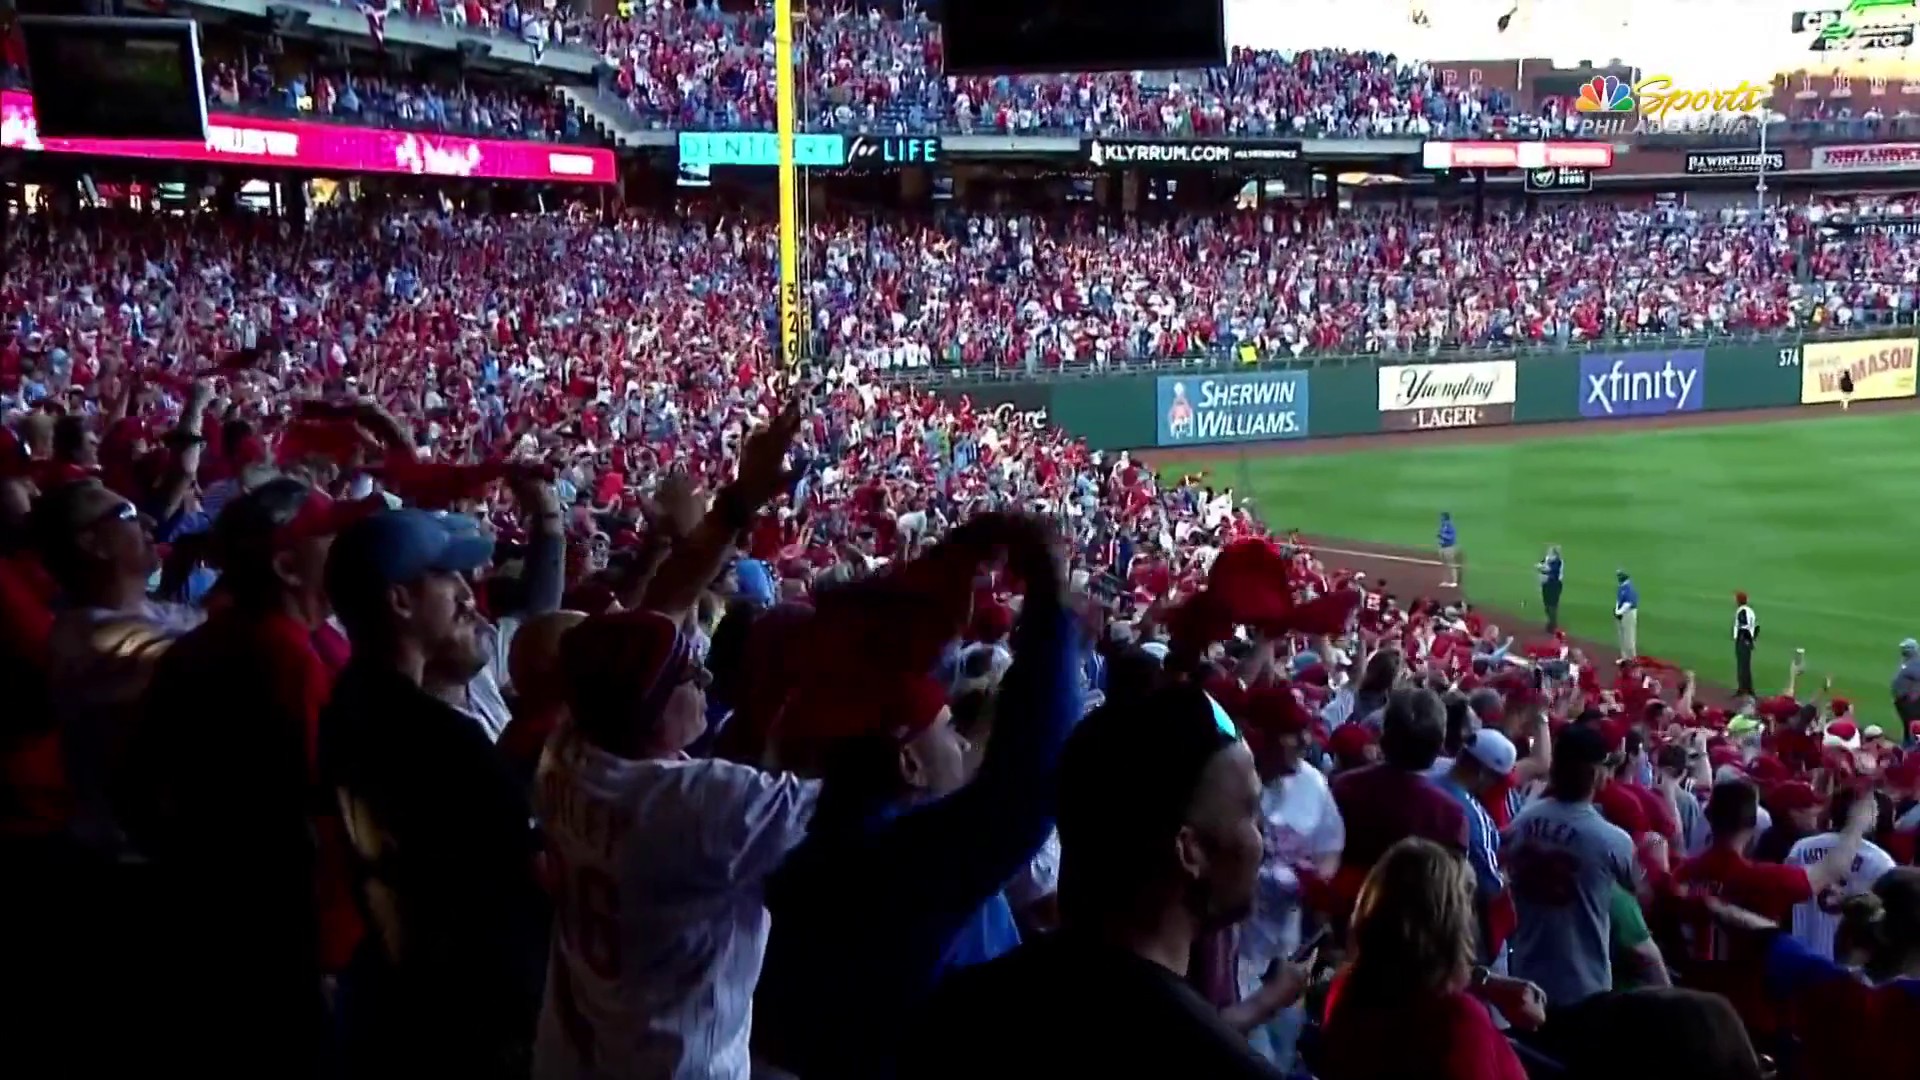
[1626, 596]
[866, 919]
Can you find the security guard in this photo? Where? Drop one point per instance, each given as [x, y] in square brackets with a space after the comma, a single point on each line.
[1551, 568]
[1626, 615]
[1746, 631]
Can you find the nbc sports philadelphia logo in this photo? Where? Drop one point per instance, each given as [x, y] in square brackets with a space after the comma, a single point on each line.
[1608, 105]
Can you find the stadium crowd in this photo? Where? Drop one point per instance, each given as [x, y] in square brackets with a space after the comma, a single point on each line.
[450, 644]
[698, 68]
[548, 23]
[956, 289]
[375, 101]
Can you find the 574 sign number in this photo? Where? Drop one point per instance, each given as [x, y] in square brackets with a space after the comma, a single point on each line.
[1790, 356]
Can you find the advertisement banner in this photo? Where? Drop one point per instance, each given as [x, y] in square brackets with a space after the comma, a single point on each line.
[328, 148]
[1516, 155]
[1876, 157]
[759, 149]
[891, 151]
[1254, 407]
[1027, 397]
[1557, 181]
[1882, 369]
[1643, 383]
[1422, 386]
[1734, 162]
[1426, 397]
[1121, 153]
[1447, 417]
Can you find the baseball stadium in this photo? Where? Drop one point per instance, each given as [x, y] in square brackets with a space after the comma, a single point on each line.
[945, 539]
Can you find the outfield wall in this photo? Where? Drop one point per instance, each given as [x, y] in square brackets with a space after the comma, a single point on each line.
[1364, 396]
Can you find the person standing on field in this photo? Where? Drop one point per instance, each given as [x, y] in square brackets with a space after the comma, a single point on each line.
[1551, 568]
[1626, 613]
[1746, 631]
[1449, 542]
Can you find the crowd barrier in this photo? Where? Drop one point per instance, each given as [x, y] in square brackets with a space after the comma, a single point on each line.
[1213, 406]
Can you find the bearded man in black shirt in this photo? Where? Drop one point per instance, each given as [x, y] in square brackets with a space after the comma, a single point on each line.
[1160, 835]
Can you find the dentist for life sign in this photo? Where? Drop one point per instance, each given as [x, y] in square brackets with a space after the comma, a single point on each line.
[328, 148]
[1643, 383]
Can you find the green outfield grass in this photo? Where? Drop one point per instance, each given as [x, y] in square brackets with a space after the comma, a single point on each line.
[1816, 519]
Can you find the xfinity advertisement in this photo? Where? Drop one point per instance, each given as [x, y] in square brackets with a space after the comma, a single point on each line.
[1643, 384]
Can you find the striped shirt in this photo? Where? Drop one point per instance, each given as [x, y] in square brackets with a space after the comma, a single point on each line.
[1483, 840]
[660, 919]
[1339, 709]
[218, 495]
[1815, 921]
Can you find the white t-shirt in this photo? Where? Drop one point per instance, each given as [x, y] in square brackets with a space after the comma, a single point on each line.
[1300, 823]
[660, 919]
[1816, 920]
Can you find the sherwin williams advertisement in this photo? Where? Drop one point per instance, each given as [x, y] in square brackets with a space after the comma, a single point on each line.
[1256, 407]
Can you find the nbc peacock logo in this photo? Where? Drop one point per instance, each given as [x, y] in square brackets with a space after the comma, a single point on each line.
[1605, 93]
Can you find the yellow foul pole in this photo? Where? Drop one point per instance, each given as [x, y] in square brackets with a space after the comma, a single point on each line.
[793, 318]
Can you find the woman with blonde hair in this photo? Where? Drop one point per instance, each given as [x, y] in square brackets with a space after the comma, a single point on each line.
[1405, 1005]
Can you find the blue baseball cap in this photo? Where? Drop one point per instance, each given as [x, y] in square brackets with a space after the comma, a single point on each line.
[753, 583]
[399, 547]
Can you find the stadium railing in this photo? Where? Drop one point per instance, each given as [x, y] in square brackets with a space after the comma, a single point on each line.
[942, 375]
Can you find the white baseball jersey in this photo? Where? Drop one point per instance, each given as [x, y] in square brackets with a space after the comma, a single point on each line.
[660, 922]
[1816, 920]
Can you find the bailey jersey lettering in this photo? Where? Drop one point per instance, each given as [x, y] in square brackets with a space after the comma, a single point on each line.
[1815, 921]
[658, 870]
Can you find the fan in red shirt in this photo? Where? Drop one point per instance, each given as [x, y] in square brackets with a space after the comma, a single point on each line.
[1723, 872]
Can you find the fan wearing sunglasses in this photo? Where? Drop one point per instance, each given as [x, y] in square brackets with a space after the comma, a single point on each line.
[107, 638]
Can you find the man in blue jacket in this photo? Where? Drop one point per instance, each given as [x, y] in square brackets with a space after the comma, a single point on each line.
[1626, 613]
[900, 877]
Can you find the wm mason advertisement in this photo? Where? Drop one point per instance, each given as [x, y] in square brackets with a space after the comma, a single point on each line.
[1255, 407]
[1431, 397]
[1882, 369]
